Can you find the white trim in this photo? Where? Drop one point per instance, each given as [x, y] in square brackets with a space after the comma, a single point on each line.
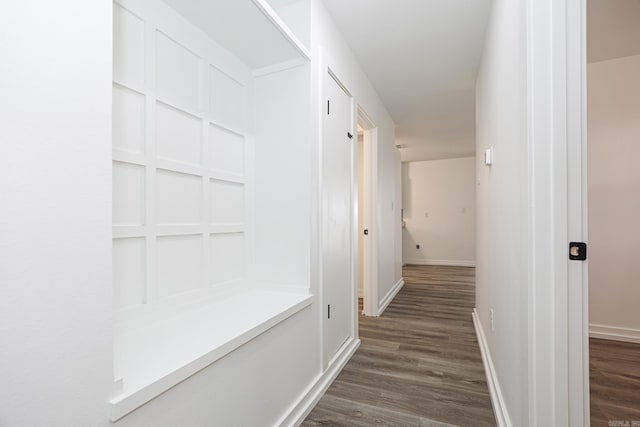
[174, 370]
[557, 304]
[614, 333]
[266, 9]
[446, 262]
[370, 147]
[390, 296]
[317, 217]
[355, 230]
[497, 398]
[578, 272]
[310, 397]
[282, 66]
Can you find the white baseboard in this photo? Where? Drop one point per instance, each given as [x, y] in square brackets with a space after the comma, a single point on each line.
[390, 296]
[614, 333]
[308, 399]
[445, 262]
[497, 398]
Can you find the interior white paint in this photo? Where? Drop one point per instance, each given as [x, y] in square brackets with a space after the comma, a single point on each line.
[361, 215]
[338, 219]
[495, 391]
[57, 319]
[296, 15]
[386, 230]
[502, 243]
[367, 212]
[575, 360]
[531, 203]
[422, 59]
[261, 47]
[614, 206]
[439, 198]
[196, 256]
[182, 191]
[55, 221]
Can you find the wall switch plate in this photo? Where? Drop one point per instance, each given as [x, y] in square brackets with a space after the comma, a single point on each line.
[488, 156]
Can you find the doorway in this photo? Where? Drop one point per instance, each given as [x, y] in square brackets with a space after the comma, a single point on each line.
[613, 185]
[367, 226]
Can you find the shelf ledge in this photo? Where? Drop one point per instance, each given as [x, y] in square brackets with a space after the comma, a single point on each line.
[248, 29]
[279, 24]
[157, 357]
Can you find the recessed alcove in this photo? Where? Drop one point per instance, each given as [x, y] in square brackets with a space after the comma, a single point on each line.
[211, 183]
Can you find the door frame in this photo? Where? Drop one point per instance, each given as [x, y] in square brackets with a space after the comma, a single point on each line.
[370, 219]
[577, 190]
[327, 72]
[558, 374]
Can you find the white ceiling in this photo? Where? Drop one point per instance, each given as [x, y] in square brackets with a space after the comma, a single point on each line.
[422, 56]
[613, 29]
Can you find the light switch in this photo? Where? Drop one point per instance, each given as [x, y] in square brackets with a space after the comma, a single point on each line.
[488, 156]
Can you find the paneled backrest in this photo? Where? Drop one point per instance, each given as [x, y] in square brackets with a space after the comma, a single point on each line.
[179, 160]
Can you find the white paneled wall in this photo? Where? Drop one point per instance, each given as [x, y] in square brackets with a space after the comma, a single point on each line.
[179, 160]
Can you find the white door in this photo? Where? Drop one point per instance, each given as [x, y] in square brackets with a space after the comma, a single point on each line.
[337, 277]
[577, 222]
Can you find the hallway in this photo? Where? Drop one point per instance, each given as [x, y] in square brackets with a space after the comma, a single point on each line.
[419, 363]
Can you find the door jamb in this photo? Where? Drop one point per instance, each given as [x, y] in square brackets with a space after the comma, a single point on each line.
[370, 187]
[558, 382]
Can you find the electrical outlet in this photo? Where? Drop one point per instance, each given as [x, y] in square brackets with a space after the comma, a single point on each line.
[492, 317]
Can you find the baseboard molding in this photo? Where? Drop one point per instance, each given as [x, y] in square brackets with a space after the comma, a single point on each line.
[445, 262]
[497, 398]
[614, 333]
[308, 399]
[390, 296]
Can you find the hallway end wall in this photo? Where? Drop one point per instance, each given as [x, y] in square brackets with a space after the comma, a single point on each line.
[439, 202]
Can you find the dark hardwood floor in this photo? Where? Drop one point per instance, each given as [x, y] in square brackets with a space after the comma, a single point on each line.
[419, 363]
[614, 373]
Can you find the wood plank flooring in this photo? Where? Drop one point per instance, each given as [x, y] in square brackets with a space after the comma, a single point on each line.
[614, 373]
[419, 363]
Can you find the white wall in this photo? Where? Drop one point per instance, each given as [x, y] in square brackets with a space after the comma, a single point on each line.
[326, 38]
[289, 354]
[55, 220]
[501, 274]
[613, 120]
[439, 199]
[529, 206]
